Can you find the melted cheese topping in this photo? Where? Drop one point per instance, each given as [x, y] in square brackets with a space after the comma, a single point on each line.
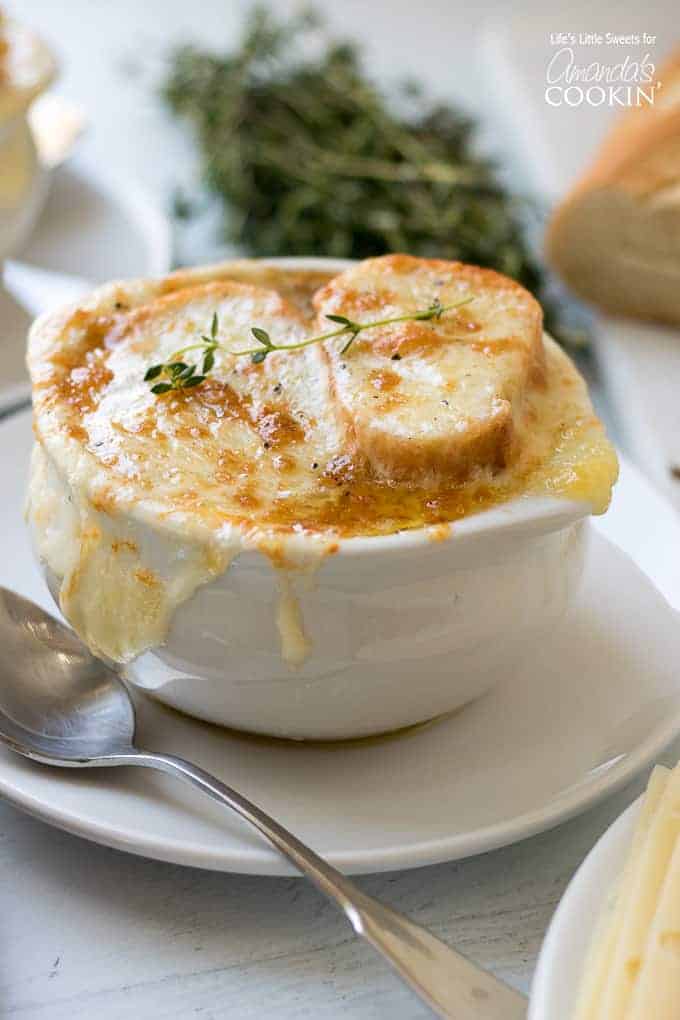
[259, 456]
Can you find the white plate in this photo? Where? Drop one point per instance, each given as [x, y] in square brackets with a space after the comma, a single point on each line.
[92, 226]
[563, 956]
[591, 709]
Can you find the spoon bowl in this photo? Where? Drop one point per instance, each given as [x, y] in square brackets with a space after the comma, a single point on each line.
[57, 702]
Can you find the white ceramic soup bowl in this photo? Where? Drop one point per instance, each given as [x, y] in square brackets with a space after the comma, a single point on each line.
[402, 627]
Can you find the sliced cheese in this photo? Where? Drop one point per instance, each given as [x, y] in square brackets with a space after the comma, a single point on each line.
[606, 936]
[644, 887]
[657, 990]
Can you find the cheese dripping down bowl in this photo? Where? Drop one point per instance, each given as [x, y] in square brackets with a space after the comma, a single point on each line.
[320, 543]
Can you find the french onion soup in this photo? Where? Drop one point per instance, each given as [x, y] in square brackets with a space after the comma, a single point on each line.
[247, 406]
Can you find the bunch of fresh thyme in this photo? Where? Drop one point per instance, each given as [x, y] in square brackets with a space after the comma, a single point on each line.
[310, 158]
[177, 374]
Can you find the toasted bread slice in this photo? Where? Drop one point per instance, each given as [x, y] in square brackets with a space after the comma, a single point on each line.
[433, 399]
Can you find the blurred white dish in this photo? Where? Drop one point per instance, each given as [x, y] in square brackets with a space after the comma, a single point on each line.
[99, 226]
[93, 226]
[641, 363]
[27, 68]
[563, 956]
[550, 740]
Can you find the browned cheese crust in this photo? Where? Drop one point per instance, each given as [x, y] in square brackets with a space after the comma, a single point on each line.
[419, 423]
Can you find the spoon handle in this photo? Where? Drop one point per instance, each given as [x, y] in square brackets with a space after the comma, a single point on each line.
[451, 985]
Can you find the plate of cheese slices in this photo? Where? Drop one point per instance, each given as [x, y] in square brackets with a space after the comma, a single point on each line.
[613, 948]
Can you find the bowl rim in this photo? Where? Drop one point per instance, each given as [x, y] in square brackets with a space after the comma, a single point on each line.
[520, 517]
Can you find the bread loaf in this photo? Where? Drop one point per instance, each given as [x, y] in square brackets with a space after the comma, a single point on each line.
[615, 239]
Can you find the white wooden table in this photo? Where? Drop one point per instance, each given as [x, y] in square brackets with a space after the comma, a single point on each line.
[88, 932]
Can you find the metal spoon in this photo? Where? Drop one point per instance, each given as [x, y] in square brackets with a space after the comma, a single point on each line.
[61, 706]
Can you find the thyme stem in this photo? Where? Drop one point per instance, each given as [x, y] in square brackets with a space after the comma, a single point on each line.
[175, 374]
[356, 328]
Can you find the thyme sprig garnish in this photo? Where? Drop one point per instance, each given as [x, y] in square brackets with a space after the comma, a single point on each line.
[177, 374]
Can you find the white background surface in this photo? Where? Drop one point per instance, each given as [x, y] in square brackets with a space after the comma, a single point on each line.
[112, 57]
[87, 932]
